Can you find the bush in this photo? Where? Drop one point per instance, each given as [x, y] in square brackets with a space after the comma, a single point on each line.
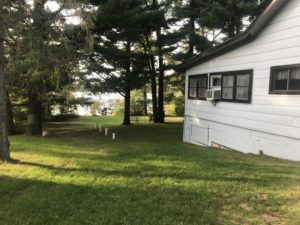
[170, 109]
[62, 117]
[175, 107]
[118, 109]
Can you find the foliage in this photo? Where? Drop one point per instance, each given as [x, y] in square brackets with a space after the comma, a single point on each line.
[62, 118]
[116, 28]
[229, 15]
[118, 108]
[95, 107]
[42, 59]
[176, 106]
[174, 95]
[136, 104]
[193, 33]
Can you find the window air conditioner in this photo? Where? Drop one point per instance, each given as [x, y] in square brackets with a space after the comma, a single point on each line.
[212, 95]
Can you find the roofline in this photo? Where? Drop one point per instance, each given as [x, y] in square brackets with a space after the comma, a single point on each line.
[250, 34]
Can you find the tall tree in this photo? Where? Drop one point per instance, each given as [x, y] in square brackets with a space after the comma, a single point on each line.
[116, 28]
[164, 44]
[40, 61]
[8, 17]
[155, 20]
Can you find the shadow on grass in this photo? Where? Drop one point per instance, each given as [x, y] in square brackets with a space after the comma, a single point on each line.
[206, 172]
[59, 125]
[32, 202]
[35, 202]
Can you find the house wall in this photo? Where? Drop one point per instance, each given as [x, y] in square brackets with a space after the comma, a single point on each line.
[271, 123]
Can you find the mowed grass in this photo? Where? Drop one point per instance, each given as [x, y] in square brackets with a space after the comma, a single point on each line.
[147, 176]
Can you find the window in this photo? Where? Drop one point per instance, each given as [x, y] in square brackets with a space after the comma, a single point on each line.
[242, 87]
[228, 87]
[193, 83]
[285, 80]
[215, 82]
[237, 86]
[197, 86]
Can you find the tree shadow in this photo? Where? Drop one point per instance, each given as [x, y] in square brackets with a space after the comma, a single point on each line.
[262, 177]
[35, 202]
[39, 202]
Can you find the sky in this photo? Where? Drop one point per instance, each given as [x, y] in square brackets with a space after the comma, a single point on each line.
[53, 6]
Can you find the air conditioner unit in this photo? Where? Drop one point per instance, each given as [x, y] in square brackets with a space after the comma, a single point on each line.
[212, 95]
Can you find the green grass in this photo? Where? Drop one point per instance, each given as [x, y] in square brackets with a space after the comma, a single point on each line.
[147, 176]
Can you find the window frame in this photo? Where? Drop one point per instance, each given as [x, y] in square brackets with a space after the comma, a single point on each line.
[272, 75]
[197, 88]
[235, 74]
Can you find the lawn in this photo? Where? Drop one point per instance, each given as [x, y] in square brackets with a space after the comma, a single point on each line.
[147, 176]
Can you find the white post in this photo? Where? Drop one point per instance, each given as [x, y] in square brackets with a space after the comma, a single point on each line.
[100, 128]
[96, 126]
[106, 131]
[113, 136]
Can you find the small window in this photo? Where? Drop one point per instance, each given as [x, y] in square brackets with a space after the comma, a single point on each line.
[285, 80]
[193, 87]
[215, 82]
[197, 86]
[237, 86]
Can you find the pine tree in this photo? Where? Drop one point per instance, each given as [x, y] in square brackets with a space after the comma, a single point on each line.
[149, 41]
[192, 33]
[229, 15]
[39, 61]
[165, 44]
[116, 29]
[10, 15]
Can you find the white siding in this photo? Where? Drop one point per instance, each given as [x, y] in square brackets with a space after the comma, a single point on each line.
[271, 122]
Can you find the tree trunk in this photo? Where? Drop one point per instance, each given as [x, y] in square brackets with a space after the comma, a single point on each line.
[192, 33]
[127, 90]
[231, 31]
[153, 89]
[152, 71]
[4, 144]
[10, 119]
[126, 120]
[34, 115]
[161, 76]
[145, 101]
